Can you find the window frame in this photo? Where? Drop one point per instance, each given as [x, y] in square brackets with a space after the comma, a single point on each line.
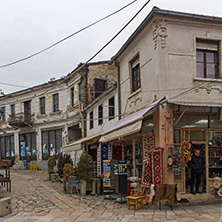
[32, 143]
[42, 105]
[97, 84]
[3, 116]
[55, 102]
[100, 114]
[111, 108]
[91, 121]
[208, 46]
[46, 156]
[80, 91]
[11, 146]
[12, 106]
[135, 74]
[72, 96]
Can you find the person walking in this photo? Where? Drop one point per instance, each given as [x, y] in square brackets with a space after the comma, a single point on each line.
[197, 166]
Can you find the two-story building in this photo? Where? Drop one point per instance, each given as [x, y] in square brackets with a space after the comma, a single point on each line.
[169, 85]
[37, 122]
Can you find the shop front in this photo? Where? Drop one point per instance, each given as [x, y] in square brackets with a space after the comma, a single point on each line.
[202, 127]
[132, 140]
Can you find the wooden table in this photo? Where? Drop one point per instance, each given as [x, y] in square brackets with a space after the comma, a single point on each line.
[134, 200]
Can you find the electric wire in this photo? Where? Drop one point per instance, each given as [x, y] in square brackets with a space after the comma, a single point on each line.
[67, 37]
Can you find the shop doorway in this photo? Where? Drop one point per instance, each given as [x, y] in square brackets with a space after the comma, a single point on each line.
[188, 175]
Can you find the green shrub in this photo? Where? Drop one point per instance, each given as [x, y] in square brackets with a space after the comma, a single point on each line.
[66, 158]
[85, 167]
[51, 164]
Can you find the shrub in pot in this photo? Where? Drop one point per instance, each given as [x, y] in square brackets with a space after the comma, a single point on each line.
[68, 171]
[51, 164]
[65, 158]
[84, 170]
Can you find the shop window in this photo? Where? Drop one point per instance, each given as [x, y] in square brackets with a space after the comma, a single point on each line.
[147, 125]
[3, 113]
[72, 92]
[191, 121]
[100, 86]
[56, 102]
[215, 123]
[42, 105]
[91, 120]
[51, 143]
[13, 110]
[27, 146]
[215, 153]
[135, 73]
[7, 146]
[207, 59]
[100, 115]
[111, 108]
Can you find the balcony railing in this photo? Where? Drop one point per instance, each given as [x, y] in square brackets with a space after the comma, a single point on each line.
[20, 120]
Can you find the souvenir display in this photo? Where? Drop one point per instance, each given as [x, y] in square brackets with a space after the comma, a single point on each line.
[219, 192]
[148, 144]
[173, 161]
[185, 149]
[217, 185]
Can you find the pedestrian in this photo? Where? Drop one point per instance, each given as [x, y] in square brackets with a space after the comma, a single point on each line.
[197, 166]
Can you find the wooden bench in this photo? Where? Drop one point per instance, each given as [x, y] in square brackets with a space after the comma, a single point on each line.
[134, 201]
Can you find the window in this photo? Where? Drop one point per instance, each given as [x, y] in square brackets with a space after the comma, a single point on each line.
[135, 69]
[27, 143]
[111, 108]
[207, 60]
[91, 120]
[80, 92]
[12, 110]
[100, 86]
[56, 102]
[3, 113]
[27, 110]
[42, 105]
[100, 115]
[51, 143]
[72, 95]
[7, 146]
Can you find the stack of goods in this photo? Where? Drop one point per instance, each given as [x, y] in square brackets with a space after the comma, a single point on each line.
[32, 167]
[18, 165]
[217, 186]
[185, 148]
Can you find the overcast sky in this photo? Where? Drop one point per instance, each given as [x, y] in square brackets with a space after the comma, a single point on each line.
[29, 26]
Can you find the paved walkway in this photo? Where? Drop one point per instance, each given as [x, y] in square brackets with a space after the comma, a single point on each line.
[34, 198]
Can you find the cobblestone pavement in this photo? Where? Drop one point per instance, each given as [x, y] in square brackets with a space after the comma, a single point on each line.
[34, 198]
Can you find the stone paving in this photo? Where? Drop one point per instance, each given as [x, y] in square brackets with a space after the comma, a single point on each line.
[34, 198]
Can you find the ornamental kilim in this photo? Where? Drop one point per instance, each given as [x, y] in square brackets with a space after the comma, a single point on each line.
[157, 166]
[148, 144]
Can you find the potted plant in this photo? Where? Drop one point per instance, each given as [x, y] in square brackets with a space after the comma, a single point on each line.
[84, 171]
[66, 158]
[68, 171]
[51, 165]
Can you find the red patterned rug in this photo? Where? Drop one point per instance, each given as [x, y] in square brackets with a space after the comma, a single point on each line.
[118, 152]
[152, 171]
[157, 166]
[147, 172]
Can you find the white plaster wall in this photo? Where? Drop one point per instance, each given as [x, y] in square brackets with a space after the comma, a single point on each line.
[171, 70]
[106, 122]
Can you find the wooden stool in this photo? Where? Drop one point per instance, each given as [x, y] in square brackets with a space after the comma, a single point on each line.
[134, 201]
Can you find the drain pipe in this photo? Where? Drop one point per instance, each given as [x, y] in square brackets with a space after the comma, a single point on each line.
[118, 88]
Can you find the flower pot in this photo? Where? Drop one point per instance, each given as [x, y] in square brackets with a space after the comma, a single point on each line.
[83, 187]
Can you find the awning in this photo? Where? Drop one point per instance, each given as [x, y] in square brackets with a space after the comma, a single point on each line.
[128, 125]
[78, 144]
[216, 105]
